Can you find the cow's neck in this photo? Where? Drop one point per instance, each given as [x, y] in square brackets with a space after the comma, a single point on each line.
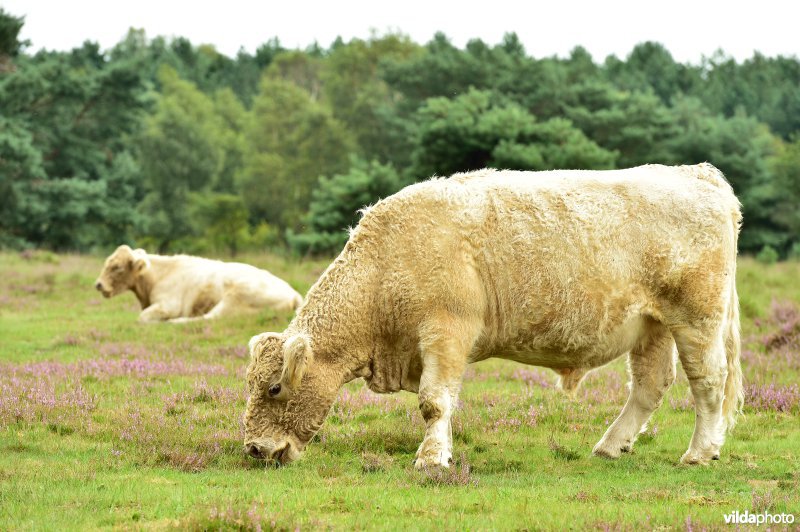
[339, 311]
[143, 285]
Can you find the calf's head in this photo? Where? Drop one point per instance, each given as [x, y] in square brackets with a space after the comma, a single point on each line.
[121, 270]
[290, 393]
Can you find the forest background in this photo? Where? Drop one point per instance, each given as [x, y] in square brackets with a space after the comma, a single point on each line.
[173, 146]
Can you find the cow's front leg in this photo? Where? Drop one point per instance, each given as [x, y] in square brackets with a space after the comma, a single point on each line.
[156, 312]
[444, 355]
[436, 404]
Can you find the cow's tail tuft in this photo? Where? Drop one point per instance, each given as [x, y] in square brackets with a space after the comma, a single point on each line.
[734, 392]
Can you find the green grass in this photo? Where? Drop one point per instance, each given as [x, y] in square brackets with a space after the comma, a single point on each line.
[105, 422]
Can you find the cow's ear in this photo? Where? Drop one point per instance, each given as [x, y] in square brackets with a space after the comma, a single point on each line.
[256, 344]
[297, 356]
[140, 260]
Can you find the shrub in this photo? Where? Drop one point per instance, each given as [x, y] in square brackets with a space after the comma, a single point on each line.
[336, 203]
[794, 252]
[767, 255]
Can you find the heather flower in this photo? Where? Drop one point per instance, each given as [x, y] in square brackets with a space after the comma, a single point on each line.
[112, 367]
[25, 400]
[504, 423]
[235, 351]
[533, 377]
[349, 403]
[682, 404]
[254, 518]
[785, 318]
[70, 339]
[533, 416]
[458, 474]
[771, 397]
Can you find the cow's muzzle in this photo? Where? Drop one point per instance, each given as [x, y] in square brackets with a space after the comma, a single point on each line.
[99, 286]
[278, 453]
[251, 449]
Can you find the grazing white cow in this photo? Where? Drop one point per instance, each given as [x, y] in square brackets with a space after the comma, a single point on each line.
[183, 288]
[564, 269]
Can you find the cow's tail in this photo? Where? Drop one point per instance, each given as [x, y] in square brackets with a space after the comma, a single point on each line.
[734, 392]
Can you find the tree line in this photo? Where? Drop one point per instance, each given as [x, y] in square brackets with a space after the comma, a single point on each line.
[176, 147]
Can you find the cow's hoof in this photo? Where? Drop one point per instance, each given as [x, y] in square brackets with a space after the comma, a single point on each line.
[421, 465]
[433, 460]
[609, 451]
[691, 457]
[433, 453]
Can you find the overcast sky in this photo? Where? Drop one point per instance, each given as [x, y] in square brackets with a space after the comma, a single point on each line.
[689, 29]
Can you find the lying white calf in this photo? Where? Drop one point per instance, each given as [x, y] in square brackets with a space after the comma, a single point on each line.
[183, 288]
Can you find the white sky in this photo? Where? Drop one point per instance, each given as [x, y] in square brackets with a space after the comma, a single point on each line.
[689, 29]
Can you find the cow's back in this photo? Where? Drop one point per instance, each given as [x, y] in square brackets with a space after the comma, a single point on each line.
[555, 260]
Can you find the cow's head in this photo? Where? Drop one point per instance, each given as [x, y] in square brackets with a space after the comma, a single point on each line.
[121, 270]
[290, 393]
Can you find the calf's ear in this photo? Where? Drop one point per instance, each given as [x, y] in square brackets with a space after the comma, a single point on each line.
[140, 260]
[297, 356]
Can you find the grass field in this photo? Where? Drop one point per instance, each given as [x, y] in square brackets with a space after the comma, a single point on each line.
[105, 422]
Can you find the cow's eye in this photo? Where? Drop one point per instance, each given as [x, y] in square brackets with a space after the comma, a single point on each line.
[274, 390]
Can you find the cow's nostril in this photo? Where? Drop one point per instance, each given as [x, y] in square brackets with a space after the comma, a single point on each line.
[251, 450]
[280, 455]
[98, 286]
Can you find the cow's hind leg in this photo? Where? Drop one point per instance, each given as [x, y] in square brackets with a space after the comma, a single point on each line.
[652, 372]
[445, 346]
[185, 319]
[220, 309]
[702, 356]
